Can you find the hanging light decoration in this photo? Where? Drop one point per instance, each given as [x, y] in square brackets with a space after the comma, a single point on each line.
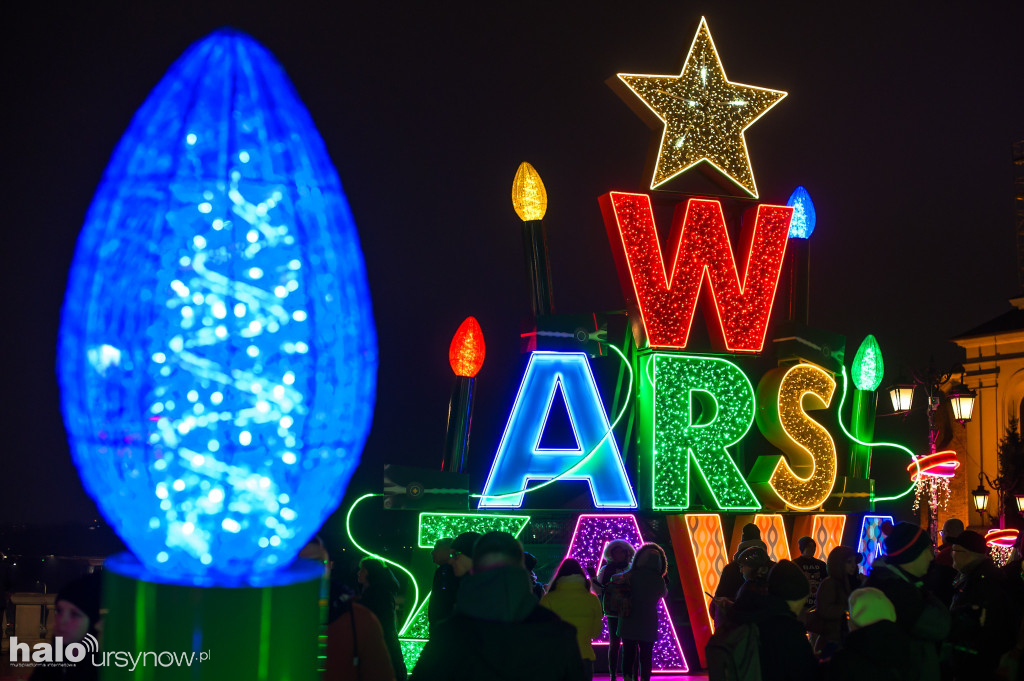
[902, 396]
[932, 474]
[1001, 542]
[961, 399]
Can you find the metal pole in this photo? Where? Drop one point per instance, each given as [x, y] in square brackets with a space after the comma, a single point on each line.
[460, 418]
[538, 267]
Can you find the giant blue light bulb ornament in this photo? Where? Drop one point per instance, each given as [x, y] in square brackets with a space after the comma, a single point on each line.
[217, 353]
[804, 217]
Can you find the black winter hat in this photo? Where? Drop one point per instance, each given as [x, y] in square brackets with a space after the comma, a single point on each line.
[84, 594]
[753, 557]
[498, 542]
[464, 543]
[904, 543]
[750, 531]
[787, 581]
[970, 540]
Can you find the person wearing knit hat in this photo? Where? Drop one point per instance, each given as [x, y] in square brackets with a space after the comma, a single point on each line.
[78, 608]
[784, 652]
[985, 613]
[751, 536]
[754, 564]
[787, 581]
[462, 552]
[731, 580]
[876, 647]
[868, 606]
[77, 614]
[919, 613]
[909, 546]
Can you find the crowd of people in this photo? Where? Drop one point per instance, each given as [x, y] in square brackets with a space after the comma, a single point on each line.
[918, 613]
[921, 613]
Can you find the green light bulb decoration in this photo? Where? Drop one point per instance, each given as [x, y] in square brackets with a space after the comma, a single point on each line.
[868, 367]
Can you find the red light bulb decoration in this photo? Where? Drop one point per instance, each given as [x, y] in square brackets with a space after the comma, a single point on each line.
[466, 356]
[467, 351]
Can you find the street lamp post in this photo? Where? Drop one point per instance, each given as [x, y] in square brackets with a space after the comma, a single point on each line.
[980, 498]
[961, 400]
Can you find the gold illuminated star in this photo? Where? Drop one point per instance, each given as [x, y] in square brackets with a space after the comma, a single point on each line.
[704, 114]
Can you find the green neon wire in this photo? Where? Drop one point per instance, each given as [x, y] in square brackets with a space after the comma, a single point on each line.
[579, 464]
[351, 538]
[913, 458]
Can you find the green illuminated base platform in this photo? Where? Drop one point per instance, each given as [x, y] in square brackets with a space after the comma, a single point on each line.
[258, 631]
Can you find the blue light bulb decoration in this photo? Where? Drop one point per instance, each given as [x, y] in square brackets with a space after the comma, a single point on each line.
[804, 217]
[217, 352]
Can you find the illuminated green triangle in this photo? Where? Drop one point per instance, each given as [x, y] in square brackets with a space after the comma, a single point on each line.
[434, 526]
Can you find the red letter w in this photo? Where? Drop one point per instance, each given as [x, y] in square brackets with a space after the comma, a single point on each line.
[737, 310]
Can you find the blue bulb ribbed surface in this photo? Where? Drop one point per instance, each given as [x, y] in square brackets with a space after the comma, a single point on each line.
[217, 353]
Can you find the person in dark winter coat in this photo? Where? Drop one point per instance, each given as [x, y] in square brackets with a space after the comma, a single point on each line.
[833, 598]
[498, 631]
[941, 573]
[454, 563]
[918, 612]
[445, 585]
[985, 616]
[732, 578]
[754, 566]
[618, 554]
[539, 588]
[815, 569]
[379, 587]
[1013, 571]
[877, 648]
[784, 651]
[639, 627]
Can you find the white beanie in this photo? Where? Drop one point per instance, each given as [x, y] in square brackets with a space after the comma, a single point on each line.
[870, 605]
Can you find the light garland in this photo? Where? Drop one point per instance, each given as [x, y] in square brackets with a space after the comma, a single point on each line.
[1000, 543]
[738, 311]
[702, 114]
[931, 475]
[853, 438]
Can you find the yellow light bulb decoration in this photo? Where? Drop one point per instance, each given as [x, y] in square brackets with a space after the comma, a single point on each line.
[529, 198]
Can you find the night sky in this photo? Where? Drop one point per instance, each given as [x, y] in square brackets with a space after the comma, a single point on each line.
[899, 122]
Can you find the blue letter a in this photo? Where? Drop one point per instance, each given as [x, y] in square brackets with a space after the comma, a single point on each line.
[596, 457]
